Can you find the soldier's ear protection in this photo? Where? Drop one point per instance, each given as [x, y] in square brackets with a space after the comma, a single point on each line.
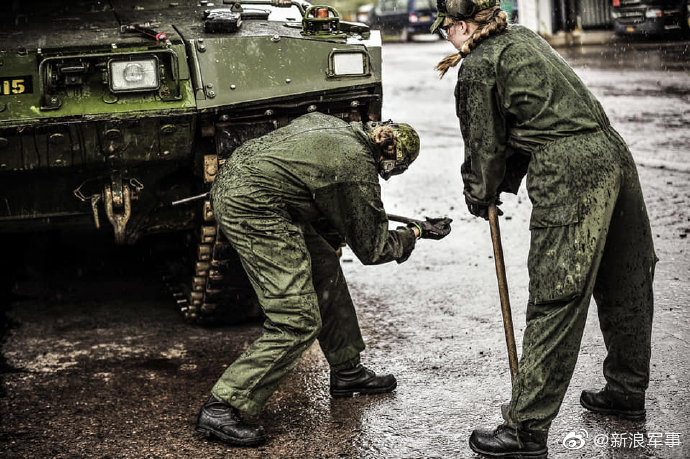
[390, 167]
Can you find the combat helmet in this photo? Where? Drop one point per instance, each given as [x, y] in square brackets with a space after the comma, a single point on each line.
[459, 10]
[406, 149]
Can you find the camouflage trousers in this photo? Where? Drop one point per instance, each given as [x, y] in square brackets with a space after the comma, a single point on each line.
[303, 294]
[593, 242]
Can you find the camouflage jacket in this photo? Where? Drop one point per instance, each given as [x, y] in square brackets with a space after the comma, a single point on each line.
[515, 95]
[316, 167]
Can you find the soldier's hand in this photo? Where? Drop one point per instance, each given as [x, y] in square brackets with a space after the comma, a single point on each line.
[481, 210]
[433, 228]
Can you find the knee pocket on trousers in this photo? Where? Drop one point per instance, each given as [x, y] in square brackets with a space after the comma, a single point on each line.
[301, 320]
[306, 329]
[559, 258]
[277, 262]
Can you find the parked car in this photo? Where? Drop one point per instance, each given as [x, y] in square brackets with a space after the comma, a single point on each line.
[403, 18]
[650, 17]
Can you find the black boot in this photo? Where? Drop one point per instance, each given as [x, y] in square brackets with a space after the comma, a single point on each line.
[358, 378]
[222, 421]
[613, 403]
[502, 442]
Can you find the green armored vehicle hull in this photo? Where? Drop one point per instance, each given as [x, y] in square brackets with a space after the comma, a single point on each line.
[114, 116]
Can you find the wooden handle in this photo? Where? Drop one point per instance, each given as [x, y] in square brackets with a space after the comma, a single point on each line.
[503, 291]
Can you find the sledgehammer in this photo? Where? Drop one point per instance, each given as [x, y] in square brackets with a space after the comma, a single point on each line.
[503, 291]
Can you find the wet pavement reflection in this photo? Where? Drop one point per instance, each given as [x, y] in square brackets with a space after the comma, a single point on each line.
[633, 54]
[96, 361]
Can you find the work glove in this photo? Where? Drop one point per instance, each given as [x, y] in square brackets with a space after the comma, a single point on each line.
[432, 228]
[480, 209]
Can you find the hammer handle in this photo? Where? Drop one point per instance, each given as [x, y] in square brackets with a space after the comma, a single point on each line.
[503, 291]
[400, 219]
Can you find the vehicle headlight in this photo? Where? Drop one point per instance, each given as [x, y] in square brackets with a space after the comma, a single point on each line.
[653, 13]
[348, 63]
[134, 75]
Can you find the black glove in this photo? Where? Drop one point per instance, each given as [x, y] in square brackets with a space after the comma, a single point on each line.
[432, 228]
[479, 209]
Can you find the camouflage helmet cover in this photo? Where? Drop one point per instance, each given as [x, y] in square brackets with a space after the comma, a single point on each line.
[459, 10]
[406, 148]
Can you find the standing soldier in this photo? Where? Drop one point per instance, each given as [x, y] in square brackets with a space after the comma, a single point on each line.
[266, 198]
[523, 111]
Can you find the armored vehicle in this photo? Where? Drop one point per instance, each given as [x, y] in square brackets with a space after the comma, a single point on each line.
[115, 115]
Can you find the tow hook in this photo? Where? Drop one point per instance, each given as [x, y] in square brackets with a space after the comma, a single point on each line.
[118, 208]
[117, 197]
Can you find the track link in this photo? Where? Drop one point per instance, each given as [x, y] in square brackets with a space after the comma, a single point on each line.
[219, 291]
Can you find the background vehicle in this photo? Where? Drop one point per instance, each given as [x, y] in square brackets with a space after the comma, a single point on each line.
[112, 111]
[363, 13]
[404, 18]
[650, 17]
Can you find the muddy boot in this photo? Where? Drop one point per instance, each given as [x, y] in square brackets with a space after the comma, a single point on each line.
[360, 379]
[502, 442]
[216, 419]
[613, 403]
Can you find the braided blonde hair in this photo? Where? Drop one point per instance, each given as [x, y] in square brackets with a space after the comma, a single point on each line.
[491, 21]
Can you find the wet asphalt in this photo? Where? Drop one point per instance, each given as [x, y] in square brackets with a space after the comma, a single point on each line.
[96, 362]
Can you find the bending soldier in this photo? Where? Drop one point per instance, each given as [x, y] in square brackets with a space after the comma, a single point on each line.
[266, 198]
[523, 111]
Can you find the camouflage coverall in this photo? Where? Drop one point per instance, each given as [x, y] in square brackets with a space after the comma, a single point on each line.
[523, 110]
[265, 198]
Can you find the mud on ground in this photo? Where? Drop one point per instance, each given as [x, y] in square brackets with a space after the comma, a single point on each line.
[96, 361]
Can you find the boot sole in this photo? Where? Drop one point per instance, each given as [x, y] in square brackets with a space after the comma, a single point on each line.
[342, 393]
[511, 455]
[632, 415]
[231, 440]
